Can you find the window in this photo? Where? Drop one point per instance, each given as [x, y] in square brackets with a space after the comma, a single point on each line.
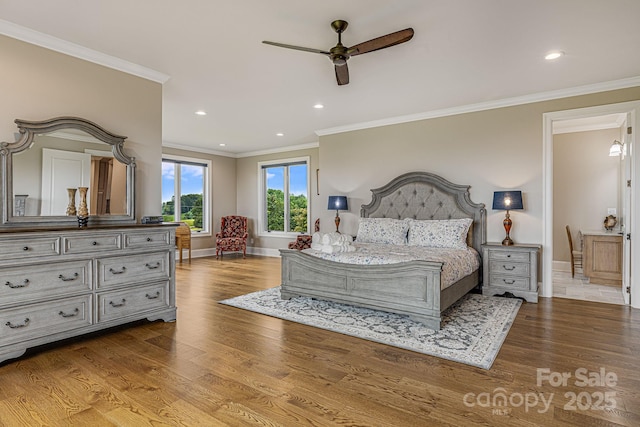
[185, 189]
[284, 196]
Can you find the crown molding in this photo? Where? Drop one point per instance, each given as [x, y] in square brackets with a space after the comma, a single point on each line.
[244, 154]
[490, 105]
[37, 38]
[198, 149]
[279, 150]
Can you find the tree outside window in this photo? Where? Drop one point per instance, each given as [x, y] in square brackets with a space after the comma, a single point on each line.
[184, 190]
[285, 197]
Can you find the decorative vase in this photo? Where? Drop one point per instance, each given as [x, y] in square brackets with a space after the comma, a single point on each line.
[83, 210]
[71, 208]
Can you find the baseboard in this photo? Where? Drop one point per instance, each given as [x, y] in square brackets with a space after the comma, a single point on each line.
[264, 252]
[564, 266]
[207, 252]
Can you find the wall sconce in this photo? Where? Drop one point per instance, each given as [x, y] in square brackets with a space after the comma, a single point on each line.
[339, 203]
[507, 200]
[616, 149]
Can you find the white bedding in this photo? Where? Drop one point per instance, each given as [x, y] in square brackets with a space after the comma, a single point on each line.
[457, 263]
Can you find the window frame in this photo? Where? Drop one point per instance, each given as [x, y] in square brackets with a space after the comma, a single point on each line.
[262, 196]
[207, 204]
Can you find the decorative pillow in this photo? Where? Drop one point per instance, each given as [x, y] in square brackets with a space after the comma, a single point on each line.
[448, 233]
[382, 230]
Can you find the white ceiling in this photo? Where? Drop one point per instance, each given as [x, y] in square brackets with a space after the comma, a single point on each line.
[465, 54]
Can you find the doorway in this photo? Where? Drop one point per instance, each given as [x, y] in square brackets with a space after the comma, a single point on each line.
[587, 184]
[629, 206]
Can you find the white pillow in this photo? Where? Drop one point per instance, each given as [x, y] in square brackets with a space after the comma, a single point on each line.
[382, 230]
[448, 233]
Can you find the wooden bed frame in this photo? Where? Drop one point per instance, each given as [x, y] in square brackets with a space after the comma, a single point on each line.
[412, 288]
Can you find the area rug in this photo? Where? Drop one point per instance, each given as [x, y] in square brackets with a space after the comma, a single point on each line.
[473, 329]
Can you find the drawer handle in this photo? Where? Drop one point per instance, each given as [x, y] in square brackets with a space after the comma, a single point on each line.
[112, 271]
[157, 295]
[508, 255]
[513, 267]
[24, 284]
[94, 243]
[113, 304]
[12, 326]
[26, 248]
[509, 282]
[68, 279]
[149, 239]
[153, 267]
[74, 314]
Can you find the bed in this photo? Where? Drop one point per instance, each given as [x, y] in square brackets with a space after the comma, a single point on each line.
[412, 288]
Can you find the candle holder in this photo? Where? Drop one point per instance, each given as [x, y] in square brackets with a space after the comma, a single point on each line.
[71, 208]
[83, 210]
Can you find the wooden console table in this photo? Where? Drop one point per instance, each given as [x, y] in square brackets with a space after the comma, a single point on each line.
[602, 257]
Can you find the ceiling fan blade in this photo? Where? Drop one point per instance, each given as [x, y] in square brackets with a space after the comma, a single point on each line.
[381, 42]
[342, 74]
[305, 49]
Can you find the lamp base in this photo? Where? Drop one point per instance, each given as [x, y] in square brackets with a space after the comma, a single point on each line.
[507, 228]
[337, 221]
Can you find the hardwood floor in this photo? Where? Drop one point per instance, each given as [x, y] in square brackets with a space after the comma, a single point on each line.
[219, 365]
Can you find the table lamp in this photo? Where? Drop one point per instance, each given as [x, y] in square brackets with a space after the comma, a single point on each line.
[507, 200]
[339, 203]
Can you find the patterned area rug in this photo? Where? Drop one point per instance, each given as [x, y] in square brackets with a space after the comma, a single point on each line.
[473, 329]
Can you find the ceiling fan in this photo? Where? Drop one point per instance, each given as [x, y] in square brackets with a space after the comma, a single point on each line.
[339, 54]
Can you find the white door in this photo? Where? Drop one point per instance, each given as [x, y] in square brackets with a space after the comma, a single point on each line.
[626, 212]
[61, 170]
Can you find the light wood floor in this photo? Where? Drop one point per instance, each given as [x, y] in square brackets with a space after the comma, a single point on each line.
[219, 365]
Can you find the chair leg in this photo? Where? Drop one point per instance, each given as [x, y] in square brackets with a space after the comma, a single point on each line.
[189, 253]
[216, 253]
[573, 269]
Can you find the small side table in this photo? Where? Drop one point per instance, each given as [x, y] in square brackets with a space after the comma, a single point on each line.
[511, 269]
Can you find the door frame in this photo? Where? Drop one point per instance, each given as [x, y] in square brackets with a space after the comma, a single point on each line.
[631, 108]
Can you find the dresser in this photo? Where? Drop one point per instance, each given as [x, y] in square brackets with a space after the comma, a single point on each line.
[57, 283]
[511, 269]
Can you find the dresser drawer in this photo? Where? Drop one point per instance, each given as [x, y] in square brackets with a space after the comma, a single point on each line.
[29, 247]
[44, 281]
[39, 320]
[94, 243]
[148, 239]
[510, 268]
[128, 302]
[509, 256]
[131, 269]
[509, 282]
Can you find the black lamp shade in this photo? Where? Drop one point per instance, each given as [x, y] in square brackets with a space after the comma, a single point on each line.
[338, 203]
[507, 200]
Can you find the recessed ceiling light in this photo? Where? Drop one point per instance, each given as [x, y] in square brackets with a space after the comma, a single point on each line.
[553, 55]
[279, 134]
[201, 113]
[223, 145]
[318, 106]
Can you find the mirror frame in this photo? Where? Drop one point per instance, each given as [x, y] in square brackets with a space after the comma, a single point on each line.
[28, 131]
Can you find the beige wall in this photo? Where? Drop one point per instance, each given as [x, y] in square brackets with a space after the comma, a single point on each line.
[223, 191]
[248, 193]
[586, 181]
[490, 150]
[38, 84]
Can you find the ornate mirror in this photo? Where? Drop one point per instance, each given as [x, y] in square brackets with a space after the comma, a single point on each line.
[50, 159]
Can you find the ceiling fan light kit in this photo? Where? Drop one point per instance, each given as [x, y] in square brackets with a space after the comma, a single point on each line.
[339, 54]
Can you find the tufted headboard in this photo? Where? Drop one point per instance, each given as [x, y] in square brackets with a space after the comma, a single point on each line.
[423, 195]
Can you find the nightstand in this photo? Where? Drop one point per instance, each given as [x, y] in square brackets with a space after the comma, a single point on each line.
[510, 269]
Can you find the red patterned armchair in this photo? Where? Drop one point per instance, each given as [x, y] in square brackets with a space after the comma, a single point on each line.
[232, 235]
[303, 241]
